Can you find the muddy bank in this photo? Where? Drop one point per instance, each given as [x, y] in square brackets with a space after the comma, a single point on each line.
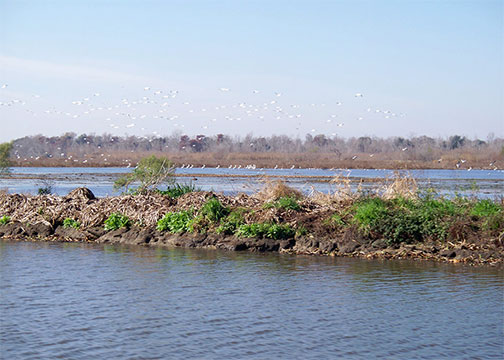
[323, 224]
[350, 244]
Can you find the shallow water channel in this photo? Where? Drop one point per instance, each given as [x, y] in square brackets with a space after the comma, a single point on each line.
[480, 183]
[78, 301]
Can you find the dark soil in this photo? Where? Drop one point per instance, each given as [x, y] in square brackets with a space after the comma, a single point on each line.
[349, 243]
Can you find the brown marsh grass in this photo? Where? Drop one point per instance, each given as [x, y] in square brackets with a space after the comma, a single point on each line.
[393, 160]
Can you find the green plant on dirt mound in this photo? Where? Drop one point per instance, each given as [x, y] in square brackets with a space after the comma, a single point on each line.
[208, 216]
[4, 220]
[405, 220]
[484, 208]
[150, 172]
[177, 190]
[266, 230]
[176, 222]
[286, 202]
[117, 221]
[369, 213]
[71, 223]
[490, 214]
[213, 210]
[232, 222]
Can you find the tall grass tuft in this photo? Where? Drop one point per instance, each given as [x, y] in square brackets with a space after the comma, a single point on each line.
[274, 190]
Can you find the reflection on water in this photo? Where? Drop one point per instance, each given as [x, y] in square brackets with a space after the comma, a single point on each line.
[481, 183]
[82, 301]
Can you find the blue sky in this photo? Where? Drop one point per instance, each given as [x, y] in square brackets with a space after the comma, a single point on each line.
[263, 67]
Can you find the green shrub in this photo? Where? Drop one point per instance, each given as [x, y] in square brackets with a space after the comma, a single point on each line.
[46, 190]
[213, 210]
[177, 222]
[5, 163]
[150, 172]
[369, 213]
[266, 230]
[405, 220]
[176, 190]
[4, 220]
[116, 221]
[490, 213]
[229, 224]
[286, 202]
[485, 208]
[71, 223]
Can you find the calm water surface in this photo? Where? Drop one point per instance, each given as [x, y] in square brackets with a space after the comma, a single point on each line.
[480, 183]
[76, 301]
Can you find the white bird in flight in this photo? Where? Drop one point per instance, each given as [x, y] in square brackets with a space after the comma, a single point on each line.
[358, 95]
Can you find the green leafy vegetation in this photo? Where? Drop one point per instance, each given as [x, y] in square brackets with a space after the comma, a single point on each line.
[229, 224]
[150, 172]
[177, 222]
[71, 223]
[286, 202]
[484, 208]
[5, 163]
[369, 213]
[265, 230]
[407, 220]
[213, 210]
[490, 213]
[187, 221]
[4, 220]
[47, 190]
[177, 190]
[117, 221]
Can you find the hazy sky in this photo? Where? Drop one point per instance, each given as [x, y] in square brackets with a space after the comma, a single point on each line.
[263, 67]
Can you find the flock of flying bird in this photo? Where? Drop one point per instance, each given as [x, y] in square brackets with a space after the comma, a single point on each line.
[156, 111]
[164, 109]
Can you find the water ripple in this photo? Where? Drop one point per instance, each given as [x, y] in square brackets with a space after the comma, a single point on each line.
[82, 301]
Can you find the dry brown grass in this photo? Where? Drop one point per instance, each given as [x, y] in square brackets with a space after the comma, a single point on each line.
[392, 160]
[400, 186]
[276, 189]
[341, 193]
[146, 209]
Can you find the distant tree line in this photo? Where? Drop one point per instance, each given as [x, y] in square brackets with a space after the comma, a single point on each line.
[422, 147]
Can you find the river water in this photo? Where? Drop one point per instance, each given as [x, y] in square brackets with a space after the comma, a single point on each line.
[78, 301]
[479, 183]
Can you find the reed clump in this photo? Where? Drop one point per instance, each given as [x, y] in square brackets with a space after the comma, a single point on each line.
[400, 187]
[274, 190]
